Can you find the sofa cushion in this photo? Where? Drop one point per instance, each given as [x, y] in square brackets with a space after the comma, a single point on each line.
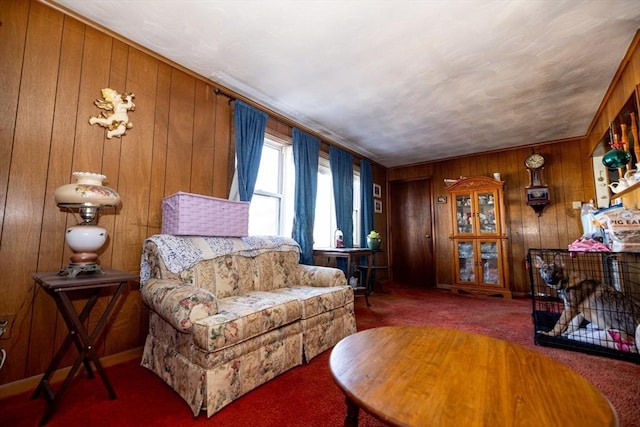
[317, 300]
[242, 317]
[226, 276]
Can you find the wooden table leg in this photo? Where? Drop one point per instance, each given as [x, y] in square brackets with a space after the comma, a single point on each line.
[53, 366]
[84, 344]
[369, 285]
[351, 420]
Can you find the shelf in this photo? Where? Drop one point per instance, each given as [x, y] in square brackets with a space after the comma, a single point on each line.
[627, 191]
[630, 196]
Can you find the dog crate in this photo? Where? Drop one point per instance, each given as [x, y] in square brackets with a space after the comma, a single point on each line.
[619, 272]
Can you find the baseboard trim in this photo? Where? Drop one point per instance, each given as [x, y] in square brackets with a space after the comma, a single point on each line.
[27, 384]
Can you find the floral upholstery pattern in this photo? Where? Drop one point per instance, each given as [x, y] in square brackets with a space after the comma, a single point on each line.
[180, 305]
[229, 314]
[243, 317]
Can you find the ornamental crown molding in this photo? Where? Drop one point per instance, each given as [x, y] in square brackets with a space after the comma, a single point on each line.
[475, 182]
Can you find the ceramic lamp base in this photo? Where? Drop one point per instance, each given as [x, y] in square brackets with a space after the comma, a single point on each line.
[84, 258]
[84, 241]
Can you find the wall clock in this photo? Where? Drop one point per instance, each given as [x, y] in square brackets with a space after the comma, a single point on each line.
[537, 192]
[535, 166]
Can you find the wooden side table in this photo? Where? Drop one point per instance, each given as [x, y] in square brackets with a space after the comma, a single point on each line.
[374, 267]
[60, 288]
[350, 254]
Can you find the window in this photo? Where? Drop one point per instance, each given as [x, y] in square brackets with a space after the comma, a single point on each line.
[272, 201]
[325, 221]
[271, 210]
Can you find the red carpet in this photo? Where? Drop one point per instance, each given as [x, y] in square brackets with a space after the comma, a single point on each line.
[306, 396]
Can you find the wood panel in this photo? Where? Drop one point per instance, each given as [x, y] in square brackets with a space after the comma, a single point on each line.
[224, 153]
[180, 141]
[157, 179]
[25, 196]
[12, 33]
[203, 139]
[52, 247]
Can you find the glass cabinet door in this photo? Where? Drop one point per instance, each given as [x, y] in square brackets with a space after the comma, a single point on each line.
[464, 214]
[465, 253]
[489, 263]
[486, 206]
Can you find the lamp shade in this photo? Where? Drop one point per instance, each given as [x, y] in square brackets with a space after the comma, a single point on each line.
[87, 191]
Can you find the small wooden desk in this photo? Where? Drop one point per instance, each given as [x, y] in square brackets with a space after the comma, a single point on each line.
[59, 287]
[419, 376]
[350, 254]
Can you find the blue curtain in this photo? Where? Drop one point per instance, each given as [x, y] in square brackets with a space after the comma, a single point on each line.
[366, 201]
[306, 149]
[249, 126]
[341, 164]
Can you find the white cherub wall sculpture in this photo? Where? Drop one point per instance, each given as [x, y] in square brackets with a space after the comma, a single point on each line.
[115, 117]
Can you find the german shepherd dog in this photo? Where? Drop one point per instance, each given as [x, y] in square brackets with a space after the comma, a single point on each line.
[591, 300]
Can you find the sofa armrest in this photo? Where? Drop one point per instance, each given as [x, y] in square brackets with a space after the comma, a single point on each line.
[178, 303]
[314, 275]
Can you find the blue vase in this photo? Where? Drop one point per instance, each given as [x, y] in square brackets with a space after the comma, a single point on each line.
[373, 243]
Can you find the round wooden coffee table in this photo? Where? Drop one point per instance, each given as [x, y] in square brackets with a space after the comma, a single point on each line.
[419, 376]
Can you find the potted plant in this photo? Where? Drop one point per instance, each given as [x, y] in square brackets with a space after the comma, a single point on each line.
[373, 240]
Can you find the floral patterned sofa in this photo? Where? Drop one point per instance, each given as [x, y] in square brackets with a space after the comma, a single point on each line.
[229, 314]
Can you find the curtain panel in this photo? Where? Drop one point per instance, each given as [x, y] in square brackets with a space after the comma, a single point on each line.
[366, 201]
[249, 127]
[341, 164]
[306, 150]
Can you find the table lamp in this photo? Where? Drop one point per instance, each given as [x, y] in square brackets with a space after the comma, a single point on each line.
[87, 195]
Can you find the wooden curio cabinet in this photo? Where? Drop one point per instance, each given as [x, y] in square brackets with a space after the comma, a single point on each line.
[478, 237]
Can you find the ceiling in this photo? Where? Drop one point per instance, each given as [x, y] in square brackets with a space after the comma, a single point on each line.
[400, 82]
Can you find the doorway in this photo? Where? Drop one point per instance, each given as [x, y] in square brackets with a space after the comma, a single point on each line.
[410, 232]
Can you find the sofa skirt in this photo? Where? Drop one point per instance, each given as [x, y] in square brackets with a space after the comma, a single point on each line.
[210, 381]
[325, 330]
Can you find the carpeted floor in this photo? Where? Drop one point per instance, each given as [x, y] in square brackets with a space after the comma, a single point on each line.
[306, 396]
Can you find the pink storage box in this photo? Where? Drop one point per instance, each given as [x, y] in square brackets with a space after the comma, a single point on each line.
[187, 214]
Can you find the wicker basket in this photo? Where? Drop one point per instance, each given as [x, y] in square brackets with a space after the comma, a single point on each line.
[188, 214]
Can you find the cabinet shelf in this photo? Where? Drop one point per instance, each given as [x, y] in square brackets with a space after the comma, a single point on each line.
[630, 196]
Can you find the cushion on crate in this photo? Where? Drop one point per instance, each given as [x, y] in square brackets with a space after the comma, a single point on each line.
[610, 338]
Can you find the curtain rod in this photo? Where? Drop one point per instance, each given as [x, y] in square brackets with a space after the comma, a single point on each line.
[285, 120]
[217, 91]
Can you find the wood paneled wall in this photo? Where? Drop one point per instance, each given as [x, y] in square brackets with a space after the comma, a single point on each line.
[53, 68]
[568, 172]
